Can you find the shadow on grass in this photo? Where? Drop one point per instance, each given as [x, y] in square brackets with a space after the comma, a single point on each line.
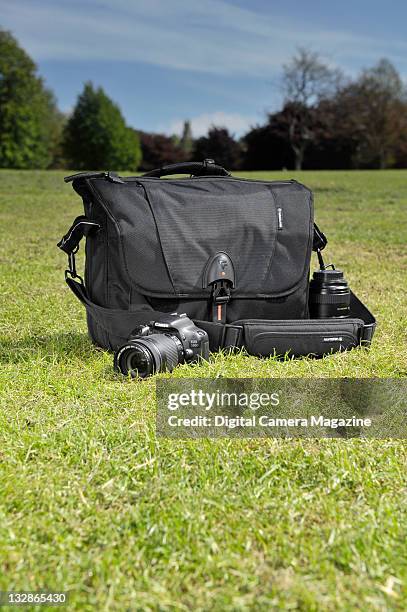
[52, 348]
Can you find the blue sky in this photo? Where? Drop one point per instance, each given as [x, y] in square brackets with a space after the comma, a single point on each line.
[213, 62]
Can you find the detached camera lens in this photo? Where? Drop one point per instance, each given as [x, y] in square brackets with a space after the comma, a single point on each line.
[329, 295]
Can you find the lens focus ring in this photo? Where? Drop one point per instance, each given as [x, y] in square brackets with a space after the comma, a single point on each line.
[329, 298]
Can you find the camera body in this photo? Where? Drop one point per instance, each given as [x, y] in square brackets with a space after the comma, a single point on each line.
[161, 345]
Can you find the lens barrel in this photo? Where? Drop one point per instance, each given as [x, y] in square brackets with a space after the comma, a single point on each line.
[329, 295]
[149, 355]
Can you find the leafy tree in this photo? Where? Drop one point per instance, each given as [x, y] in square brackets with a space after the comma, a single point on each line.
[306, 81]
[299, 124]
[55, 135]
[220, 146]
[158, 150]
[28, 113]
[96, 135]
[400, 152]
[266, 147]
[332, 147]
[374, 111]
[187, 141]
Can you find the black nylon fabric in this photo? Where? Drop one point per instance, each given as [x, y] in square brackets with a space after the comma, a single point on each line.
[239, 218]
[167, 230]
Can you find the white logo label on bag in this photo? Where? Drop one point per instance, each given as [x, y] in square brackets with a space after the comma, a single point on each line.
[280, 218]
[334, 339]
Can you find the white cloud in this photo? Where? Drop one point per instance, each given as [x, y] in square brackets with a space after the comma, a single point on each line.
[206, 36]
[236, 124]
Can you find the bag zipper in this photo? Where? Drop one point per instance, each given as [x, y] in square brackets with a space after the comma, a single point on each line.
[336, 336]
[220, 178]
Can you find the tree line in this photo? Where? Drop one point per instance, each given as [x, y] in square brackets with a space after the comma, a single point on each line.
[327, 120]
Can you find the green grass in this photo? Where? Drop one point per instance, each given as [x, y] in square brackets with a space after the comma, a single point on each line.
[92, 502]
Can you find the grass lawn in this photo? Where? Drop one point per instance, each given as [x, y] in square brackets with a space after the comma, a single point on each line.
[93, 503]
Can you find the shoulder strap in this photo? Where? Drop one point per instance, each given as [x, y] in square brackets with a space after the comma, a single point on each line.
[221, 336]
[125, 321]
[320, 240]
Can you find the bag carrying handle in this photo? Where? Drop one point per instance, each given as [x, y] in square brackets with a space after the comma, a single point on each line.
[205, 168]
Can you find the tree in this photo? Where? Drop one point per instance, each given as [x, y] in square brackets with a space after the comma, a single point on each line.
[266, 148]
[220, 146]
[96, 135]
[28, 112]
[333, 146]
[306, 81]
[187, 141]
[55, 135]
[158, 150]
[374, 109]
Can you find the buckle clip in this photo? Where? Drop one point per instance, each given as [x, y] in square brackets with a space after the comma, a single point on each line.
[221, 292]
[220, 297]
[219, 274]
[71, 270]
[319, 239]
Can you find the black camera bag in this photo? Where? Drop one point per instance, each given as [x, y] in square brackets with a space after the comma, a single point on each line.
[232, 253]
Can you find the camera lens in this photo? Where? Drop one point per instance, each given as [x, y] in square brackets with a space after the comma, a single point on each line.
[329, 295]
[139, 360]
[146, 356]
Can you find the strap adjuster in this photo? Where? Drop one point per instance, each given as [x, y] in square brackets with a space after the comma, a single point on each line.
[82, 226]
[319, 239]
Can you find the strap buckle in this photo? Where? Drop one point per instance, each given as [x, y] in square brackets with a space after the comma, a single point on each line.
[71, 272]
[220, 297]
[232, 336]
[221, 292]
[82, 226]
[319, 239]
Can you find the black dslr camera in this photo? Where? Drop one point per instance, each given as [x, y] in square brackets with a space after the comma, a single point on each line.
[161, 345]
